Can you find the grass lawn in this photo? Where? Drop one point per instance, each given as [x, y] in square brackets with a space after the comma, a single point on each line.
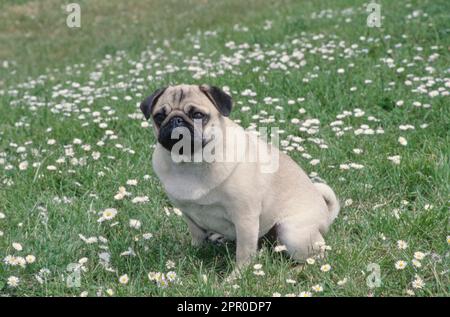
[365, 109]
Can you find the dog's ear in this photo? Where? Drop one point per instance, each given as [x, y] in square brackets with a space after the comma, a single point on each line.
[221, 100]
[150, 101]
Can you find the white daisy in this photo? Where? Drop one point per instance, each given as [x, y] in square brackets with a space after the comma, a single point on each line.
[419, 255]
[402, 245]
[30, 258]
[124, 279]
[418, 283]
[17, 246]
[108, 214]
[400, 265]
[257, 266]
[325, 268]
[135, 224]
[13, 281]
[317, 288]
[402, 141]
[310, 261]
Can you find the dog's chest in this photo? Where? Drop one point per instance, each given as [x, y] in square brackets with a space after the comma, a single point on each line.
[195, 189]
[186, 184]
[210, 218]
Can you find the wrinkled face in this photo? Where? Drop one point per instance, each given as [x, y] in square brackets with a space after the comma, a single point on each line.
[181, 107]
[188, 108]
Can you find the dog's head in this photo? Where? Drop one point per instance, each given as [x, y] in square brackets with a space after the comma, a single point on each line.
[185, 106]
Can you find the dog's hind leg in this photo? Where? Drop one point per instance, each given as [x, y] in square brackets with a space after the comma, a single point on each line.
[302, 240]
[198, 235]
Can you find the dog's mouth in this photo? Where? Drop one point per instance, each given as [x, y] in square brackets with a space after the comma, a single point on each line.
[178, 136]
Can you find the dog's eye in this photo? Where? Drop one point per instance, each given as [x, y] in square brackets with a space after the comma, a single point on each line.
[159, 117]
[198, 115]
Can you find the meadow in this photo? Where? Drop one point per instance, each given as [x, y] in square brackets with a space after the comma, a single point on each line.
[365, 109]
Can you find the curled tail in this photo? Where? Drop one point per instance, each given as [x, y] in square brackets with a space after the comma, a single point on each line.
[330, 199]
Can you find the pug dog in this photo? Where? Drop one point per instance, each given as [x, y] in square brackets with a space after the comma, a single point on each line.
[234, 199]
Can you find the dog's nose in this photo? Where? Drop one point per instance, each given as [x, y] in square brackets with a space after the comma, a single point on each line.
[176, 121]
